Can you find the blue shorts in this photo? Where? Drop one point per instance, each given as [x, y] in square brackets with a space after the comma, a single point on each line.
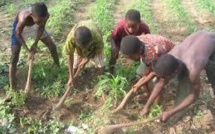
[14, 40]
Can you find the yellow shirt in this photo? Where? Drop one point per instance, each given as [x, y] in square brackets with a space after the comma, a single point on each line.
[95, 46]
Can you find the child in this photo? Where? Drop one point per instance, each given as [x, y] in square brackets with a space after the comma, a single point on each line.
[83, 43]
[131, 25]
[195, 53]
[145, 48]
[30, 21]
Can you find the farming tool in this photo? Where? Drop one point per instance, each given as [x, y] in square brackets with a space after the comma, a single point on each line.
[128, 95]
[28, 83]
[117, 128]
[60, 103]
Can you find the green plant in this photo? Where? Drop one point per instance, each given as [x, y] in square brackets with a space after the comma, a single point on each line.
[6, 119]
[178, 12]
[199, 114]
[155, 110]
[113, 85]
[129, 72]
[35, 126]
[206, 4]
[17, 97]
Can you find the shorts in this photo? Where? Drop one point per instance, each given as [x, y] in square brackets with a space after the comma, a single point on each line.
[28, 32]
[97, 60]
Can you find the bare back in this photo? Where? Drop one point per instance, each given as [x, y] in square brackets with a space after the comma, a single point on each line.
[195, 50]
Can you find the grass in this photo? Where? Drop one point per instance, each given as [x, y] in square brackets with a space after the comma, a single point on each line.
[146, 12]
[207, 5]
[14, 7]
[179, 15]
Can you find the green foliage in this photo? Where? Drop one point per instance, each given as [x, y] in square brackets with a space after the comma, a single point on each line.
[17, 97]
[49, 80]
[155, 110]
[6, 119]
[34, 126]
[61, 16]
[13, 8]
[102, 14]
[206, 4]
[146, 12]
[177, 11]
[3, 76]
[113, 85]
[199, 114]
[129, 72]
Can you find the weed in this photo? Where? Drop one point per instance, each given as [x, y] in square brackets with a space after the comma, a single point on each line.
[178, 12]
[30, 126]
[206, 4]
[17, 97]
[199, 114]
[113, 85]
[6, 118]
[155, 110]
[13, 8]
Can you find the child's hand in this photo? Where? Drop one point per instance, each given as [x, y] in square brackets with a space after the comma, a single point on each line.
[165, 116]
[34, 48]
[144, 111]
[134, 89]
[31, 55]
[69, 83]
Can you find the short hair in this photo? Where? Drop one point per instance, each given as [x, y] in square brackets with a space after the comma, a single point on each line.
[39, 9]
[133, 15]
[165, 65]
[83, 35]
[131, 45]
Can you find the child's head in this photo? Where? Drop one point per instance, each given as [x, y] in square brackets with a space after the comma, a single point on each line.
[82, 36]
[131, 47]
[133, 21]
[39, 13]
[166, 66]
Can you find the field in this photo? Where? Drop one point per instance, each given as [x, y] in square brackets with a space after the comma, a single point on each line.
[94, 95]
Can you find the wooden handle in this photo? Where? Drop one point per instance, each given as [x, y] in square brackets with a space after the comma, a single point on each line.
[68, 90]
[136, 123]
[124, 101]
[28, 83]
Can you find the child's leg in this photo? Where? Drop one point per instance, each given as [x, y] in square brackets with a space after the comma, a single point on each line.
[15, 49]
[52, 48]
[114, 57]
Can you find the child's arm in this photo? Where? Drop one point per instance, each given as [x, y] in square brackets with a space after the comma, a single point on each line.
[39, 34]
[195, 88]
[144, 80]
[71, 72]
[155, 93]
[19, 30]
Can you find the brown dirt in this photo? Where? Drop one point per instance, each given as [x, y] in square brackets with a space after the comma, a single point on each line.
[203, 18]
[81, 13]
[166, 25]
[120, 10]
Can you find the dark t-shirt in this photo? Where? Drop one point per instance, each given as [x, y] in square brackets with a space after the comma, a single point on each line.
[121, 31]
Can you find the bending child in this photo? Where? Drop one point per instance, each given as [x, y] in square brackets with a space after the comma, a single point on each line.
[30, 21]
